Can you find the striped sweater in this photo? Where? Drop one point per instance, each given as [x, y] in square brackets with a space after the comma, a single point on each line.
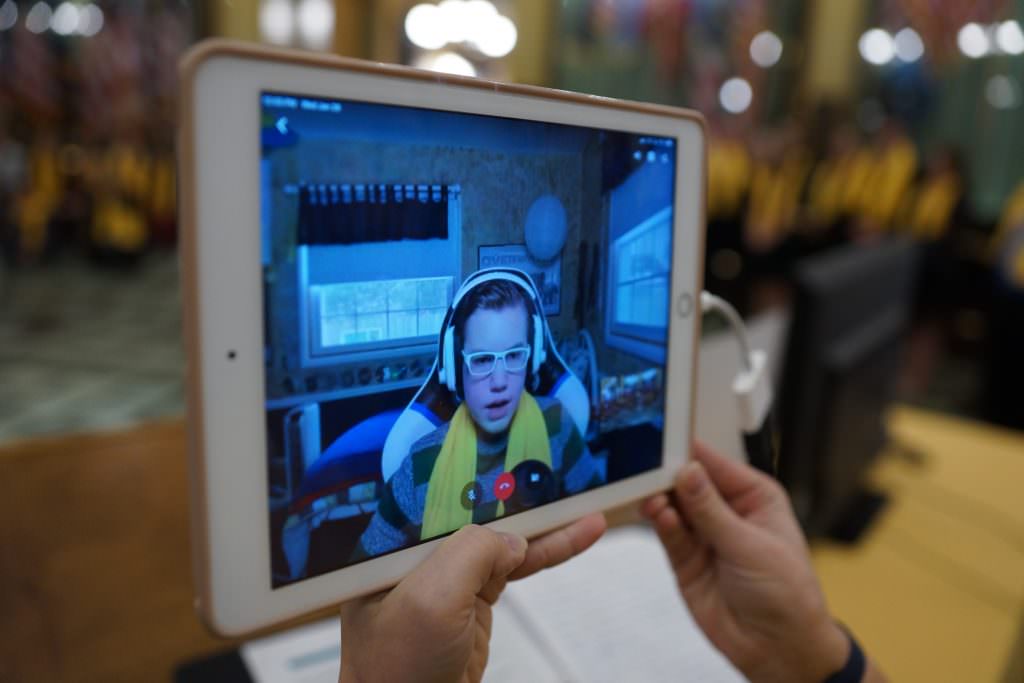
[399, 516]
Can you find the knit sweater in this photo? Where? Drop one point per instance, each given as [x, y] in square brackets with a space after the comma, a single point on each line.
[399, 517]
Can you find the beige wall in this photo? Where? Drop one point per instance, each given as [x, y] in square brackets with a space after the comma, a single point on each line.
[238, 19]
[831, 61]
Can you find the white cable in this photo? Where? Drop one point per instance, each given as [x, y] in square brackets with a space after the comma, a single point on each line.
[710, 303]
[751, 386]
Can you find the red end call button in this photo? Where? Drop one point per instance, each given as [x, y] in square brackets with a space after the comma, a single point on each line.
[504, 486]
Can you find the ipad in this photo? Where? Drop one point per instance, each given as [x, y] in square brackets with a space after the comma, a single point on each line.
[416, 301]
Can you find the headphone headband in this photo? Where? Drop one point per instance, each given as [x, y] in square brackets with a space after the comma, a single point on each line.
[513, 275]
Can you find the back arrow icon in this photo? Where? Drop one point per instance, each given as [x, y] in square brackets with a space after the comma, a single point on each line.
[282, 125]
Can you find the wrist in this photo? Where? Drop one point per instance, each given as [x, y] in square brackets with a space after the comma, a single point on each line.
[830, 649]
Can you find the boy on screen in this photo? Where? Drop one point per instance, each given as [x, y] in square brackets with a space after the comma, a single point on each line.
[504, 449]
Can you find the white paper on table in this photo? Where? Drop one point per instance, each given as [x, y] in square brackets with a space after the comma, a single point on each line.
[307, 654]
[514, 654]
[615, 614]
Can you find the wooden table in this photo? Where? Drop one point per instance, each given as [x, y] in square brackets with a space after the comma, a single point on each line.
[95, 573]
[935, 591]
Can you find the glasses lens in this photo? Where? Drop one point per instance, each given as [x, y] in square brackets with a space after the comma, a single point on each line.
[515, 359]
[480, 363]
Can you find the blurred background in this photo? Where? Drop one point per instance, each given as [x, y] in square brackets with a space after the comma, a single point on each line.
[831, 123]
[849, 125]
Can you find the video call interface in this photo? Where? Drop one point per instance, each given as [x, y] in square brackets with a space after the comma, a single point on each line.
[465, 317]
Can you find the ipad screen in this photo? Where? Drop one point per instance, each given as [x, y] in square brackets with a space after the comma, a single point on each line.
[465, 317]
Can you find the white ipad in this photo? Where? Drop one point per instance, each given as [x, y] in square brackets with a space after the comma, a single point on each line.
[417, 301]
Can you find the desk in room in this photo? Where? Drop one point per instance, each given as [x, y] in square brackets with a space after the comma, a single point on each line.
[95, 578]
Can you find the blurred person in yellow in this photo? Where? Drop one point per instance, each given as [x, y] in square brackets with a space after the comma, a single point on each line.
[932, 208]
[13, 165]
[118, 226]
[729, 167]
[835, 181]
[1010, 220]
[162, 199]
[892, 171]
[779, 174]
[35, 204]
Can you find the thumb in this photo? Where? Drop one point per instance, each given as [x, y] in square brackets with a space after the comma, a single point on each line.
[465, 563]
[715, 522]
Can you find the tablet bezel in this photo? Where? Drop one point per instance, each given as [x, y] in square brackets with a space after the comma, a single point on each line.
[219, 155]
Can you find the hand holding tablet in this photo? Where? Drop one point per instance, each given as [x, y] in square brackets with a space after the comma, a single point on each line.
[450, 636]
[416, 302]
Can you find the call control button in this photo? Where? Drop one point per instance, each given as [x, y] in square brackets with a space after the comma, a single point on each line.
[504, 486]
[535, 485]
[472, 494]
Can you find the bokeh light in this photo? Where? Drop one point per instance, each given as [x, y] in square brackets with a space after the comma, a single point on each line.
[766, 49]
[908, 45]
[877, 47]
[277, 21]
[315, 20]
[973, 41]
[736, 95]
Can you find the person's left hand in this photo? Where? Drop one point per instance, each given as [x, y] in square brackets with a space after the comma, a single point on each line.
[435, 625]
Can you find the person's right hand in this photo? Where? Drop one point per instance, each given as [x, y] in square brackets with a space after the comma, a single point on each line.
[744, 569]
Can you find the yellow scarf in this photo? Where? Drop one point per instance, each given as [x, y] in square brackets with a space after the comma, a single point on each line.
[456, 464]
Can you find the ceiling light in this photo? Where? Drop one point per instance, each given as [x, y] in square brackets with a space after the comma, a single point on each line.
[909, 46]
[65, 20]
[90, 20]
[1010, 38]
[497, 37]
[447, 62]
[38, 18]
[766, 49]
[424, 27]
[736, 95]
[8, 15]
[277, 21]
[877, 47]
[973, 41]
[316, 23]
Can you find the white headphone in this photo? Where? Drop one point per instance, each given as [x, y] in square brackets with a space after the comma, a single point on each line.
[448, 367]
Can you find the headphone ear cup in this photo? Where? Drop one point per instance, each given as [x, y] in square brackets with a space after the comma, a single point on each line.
[449, 369]
[539, 353]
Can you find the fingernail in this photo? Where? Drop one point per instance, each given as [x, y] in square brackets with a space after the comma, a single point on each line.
[516, 542]
[695, 480]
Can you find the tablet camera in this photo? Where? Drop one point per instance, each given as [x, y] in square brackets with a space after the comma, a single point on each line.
[535, 485]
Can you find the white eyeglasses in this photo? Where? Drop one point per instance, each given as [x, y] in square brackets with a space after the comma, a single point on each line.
[483, 363]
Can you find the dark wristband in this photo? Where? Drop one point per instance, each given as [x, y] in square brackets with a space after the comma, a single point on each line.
[853, 670]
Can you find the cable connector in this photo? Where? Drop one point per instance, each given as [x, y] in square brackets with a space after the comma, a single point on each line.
[752, 389]
[753, 392]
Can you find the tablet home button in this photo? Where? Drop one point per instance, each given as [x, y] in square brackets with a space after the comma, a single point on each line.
[684, 305]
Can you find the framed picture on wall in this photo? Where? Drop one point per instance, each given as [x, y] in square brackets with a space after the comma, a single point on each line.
[547, 276]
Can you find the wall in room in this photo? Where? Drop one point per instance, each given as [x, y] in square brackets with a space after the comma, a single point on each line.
[498, 187]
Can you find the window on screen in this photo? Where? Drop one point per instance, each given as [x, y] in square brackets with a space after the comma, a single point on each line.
[376, 268]
[350, 314]
[640, 261]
